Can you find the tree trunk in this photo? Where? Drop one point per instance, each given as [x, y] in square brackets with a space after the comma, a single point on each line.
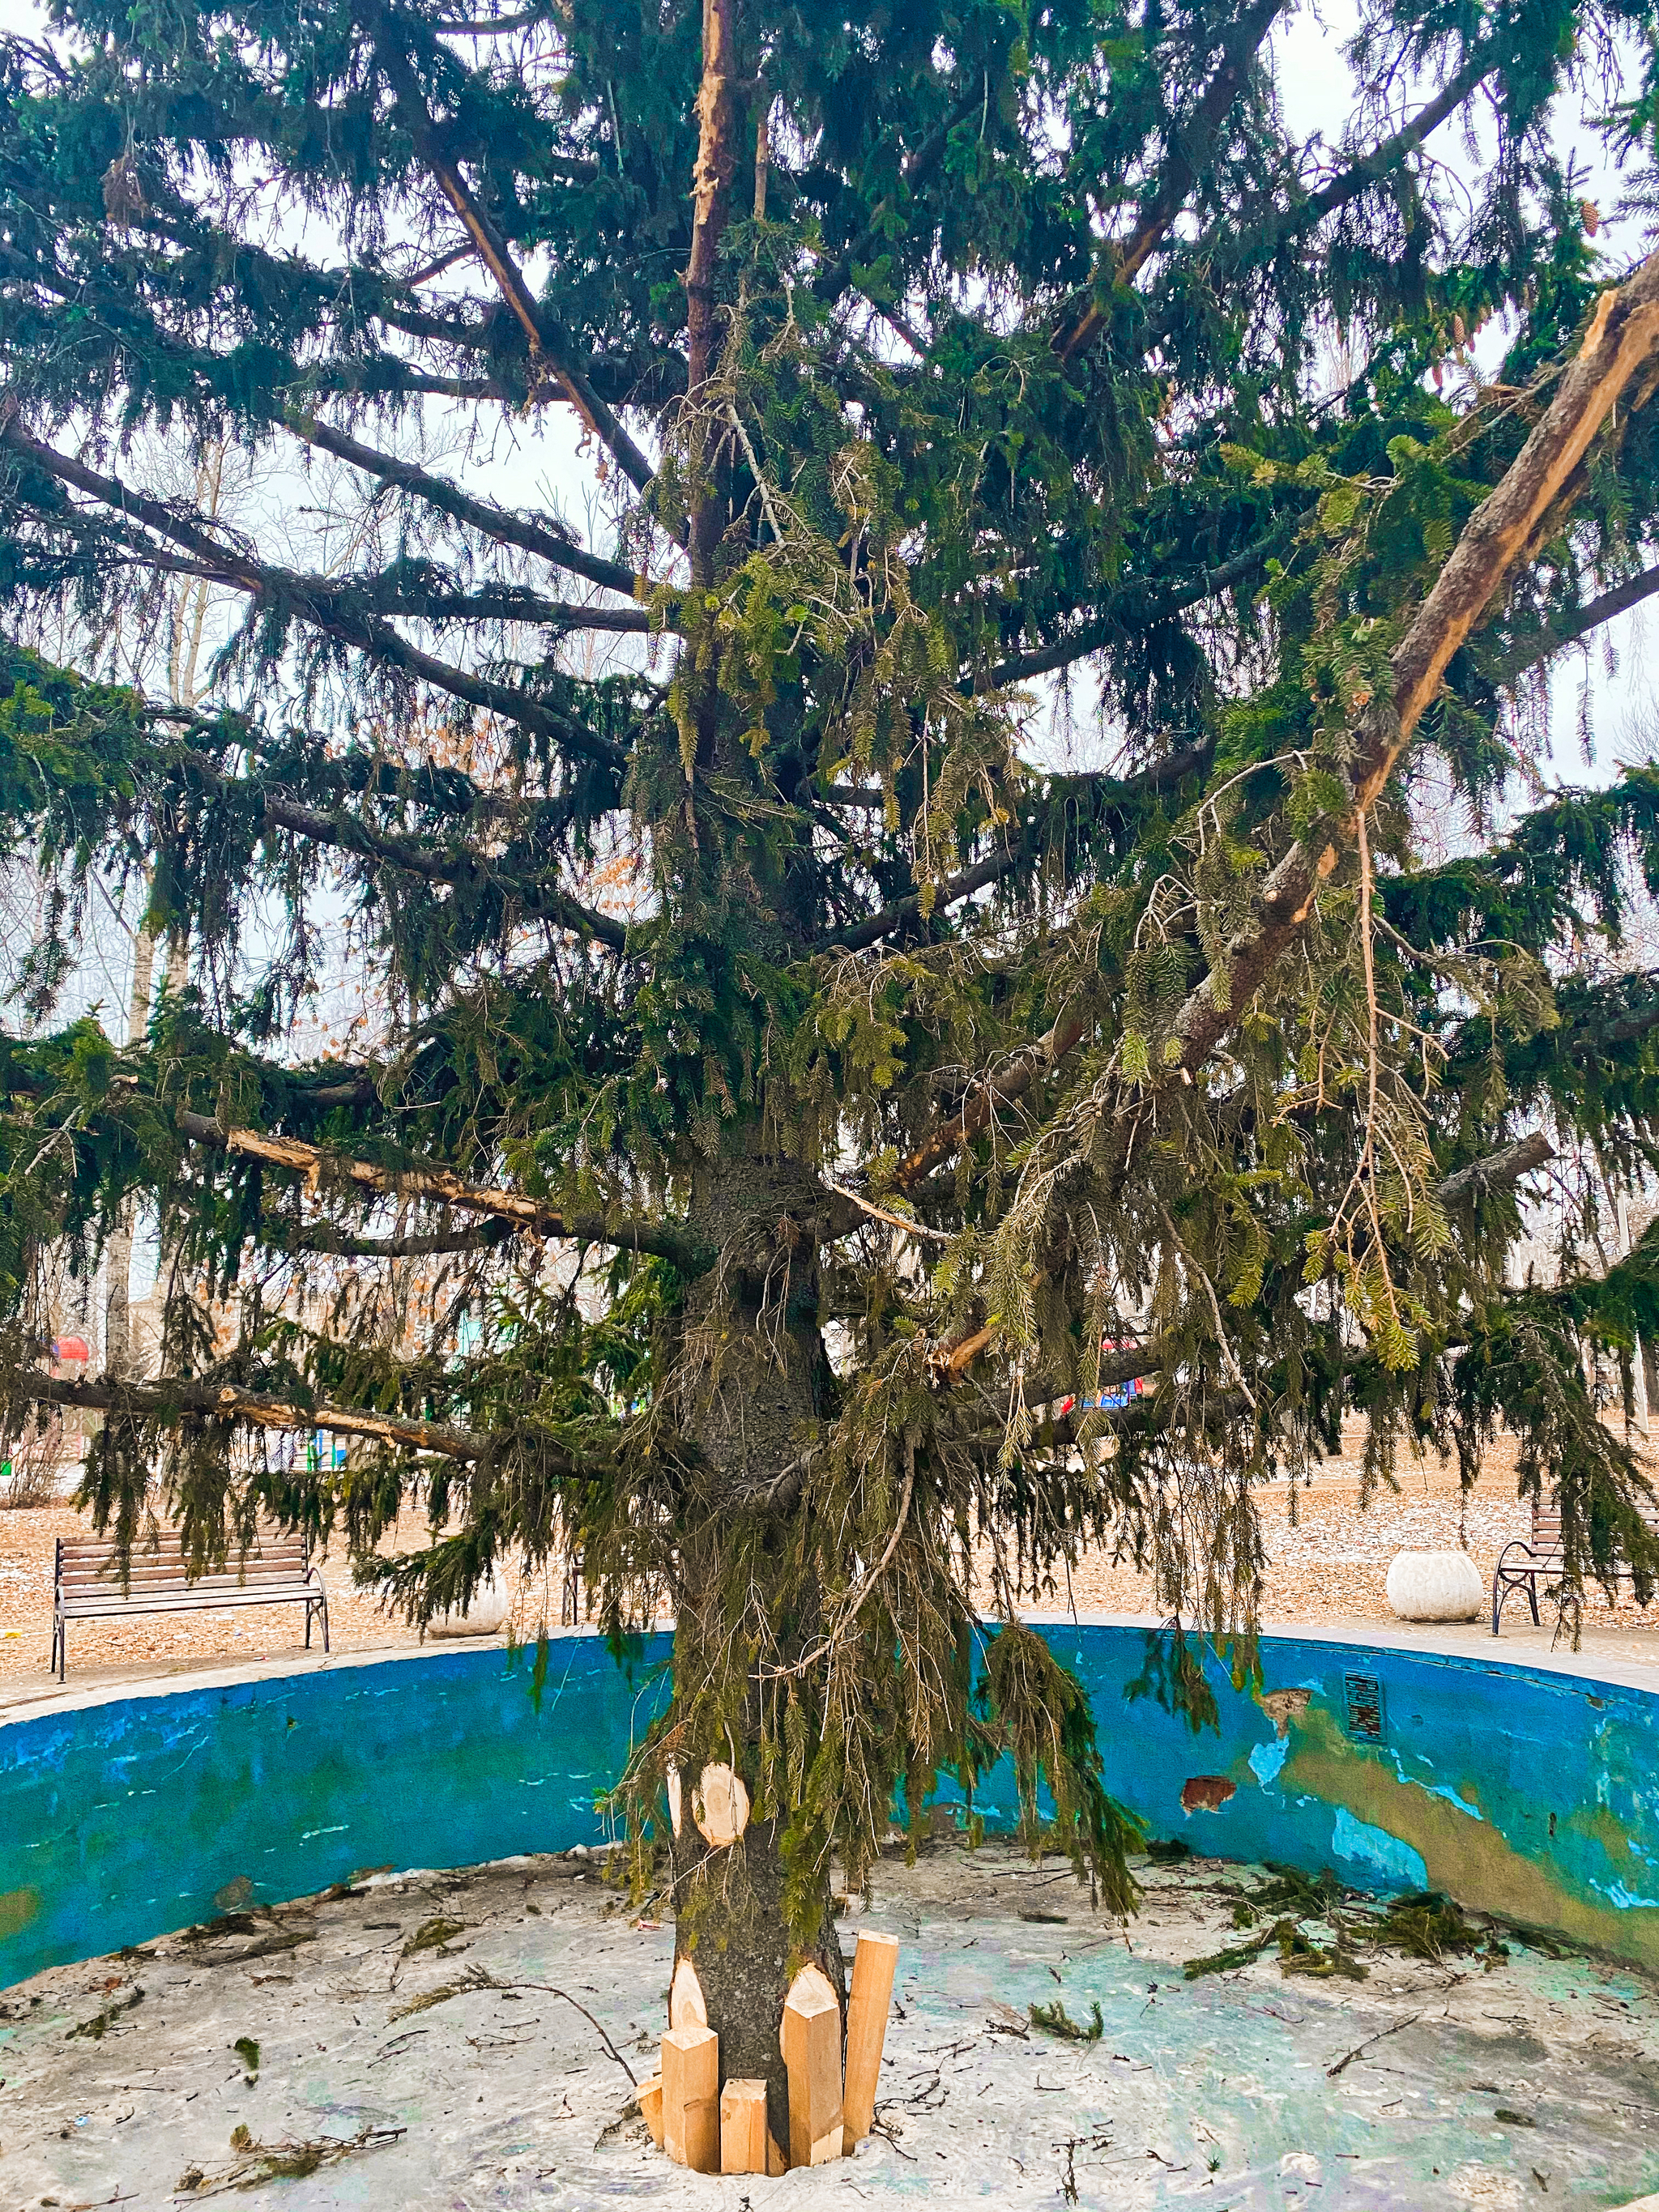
[731, 1924]
[750, 1376]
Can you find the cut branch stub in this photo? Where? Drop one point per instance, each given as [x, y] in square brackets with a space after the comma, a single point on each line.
[719, 1806]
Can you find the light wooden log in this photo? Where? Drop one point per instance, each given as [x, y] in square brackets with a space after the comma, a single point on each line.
[703, 2134]
[744, 2136]
[691, 2098]
[650, 2096]
[874, 1965]
[811, 2041]
[776, 2163]
[686, 2005]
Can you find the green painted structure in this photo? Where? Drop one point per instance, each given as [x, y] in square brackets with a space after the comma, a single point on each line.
[1527, 1793]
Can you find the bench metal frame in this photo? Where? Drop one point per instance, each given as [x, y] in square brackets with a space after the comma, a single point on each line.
[158, 1582]
[1523, 1562]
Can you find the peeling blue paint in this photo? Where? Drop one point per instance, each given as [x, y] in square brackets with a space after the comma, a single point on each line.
[1377, 1850]
[1267, 1759]
[1438, 1788]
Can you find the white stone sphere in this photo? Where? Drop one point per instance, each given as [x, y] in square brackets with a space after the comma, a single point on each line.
[485, 1616]
[1436, 1586]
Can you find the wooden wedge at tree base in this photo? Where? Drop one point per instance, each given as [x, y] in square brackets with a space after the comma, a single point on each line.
[811, 2041]
[649, 2099]
[744, 2134]
[874, 1965]
[691, 2098]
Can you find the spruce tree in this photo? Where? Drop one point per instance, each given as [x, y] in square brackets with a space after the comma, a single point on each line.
[942, 372]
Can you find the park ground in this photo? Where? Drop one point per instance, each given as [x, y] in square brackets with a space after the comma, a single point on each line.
[1328, 1560]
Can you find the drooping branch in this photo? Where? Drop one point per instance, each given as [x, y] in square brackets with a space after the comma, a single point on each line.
[323, 1236]
[317, 1165]
[424, 601]
[497, 27]
[1088, 637]
[1621, 340]
[1617, 601]
[1498, 1171]
[329, 607]
[1096, 790]
[1304, 215]
[1623, 336]
[531, 534]
[1386, 156]
[857, 935]
[507, 603]
[1189, 146]
[416, 856]
[982, 1100]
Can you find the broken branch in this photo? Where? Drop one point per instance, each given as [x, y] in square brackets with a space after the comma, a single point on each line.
[317, 1164]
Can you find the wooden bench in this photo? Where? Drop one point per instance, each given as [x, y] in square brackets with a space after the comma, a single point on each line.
[1522, 1563]
[88, 1583]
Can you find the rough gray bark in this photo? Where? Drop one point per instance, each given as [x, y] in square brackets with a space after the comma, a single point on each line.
[751, 1369]
[733, 1927]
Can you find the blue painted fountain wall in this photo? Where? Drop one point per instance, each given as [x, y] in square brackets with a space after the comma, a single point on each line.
[1529, 1794]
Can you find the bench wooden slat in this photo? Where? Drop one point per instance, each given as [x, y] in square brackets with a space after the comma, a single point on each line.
[178, 1562]
[106, 1562]
[154, 1585]
[97, 1555]
[108, 1577]
[93, 1556]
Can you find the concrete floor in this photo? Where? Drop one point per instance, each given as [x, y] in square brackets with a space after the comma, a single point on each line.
[491, 2067]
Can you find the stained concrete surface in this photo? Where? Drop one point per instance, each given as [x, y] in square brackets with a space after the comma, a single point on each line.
[1533, 2081]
